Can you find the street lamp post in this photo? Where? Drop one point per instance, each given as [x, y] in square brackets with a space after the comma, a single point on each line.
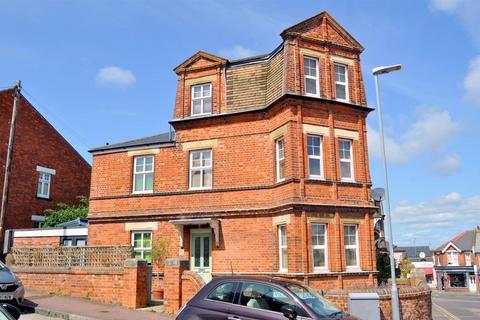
[395, 302]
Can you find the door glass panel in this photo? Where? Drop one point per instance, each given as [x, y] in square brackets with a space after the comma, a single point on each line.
[206, 251]
[224, 292]
[81, 242]
[259, 296]
[197, 252]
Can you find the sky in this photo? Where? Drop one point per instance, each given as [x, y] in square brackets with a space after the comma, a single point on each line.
[101, 71]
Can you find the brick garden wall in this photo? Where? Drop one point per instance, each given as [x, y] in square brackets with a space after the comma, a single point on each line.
[127, 287]
[415, 302]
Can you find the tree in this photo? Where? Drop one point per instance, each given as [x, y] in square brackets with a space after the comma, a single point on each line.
[65, 212]
[383, 267]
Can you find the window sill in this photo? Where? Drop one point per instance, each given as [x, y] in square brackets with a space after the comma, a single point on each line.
[142, 192]
[321, 270]
[343, 100]
[350, 182]
[200, 189]
[43, 198]
[353, 269]
[312, 95]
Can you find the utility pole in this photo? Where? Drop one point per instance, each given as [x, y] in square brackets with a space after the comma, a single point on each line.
[8, 163]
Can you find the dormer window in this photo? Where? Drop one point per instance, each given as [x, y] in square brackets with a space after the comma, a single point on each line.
[201, 99]
[341, 82]
[310, 70]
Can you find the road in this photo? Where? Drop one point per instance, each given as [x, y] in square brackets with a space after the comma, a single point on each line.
[455, 305]
[34, 316]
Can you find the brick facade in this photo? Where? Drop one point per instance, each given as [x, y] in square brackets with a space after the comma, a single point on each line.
[457, 262]
[254, 102]
[37, 143]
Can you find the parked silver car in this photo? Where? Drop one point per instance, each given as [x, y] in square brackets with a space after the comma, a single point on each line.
[11, 288]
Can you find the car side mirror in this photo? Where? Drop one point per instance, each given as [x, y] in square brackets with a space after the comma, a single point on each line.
[289, 312]
[12, 310]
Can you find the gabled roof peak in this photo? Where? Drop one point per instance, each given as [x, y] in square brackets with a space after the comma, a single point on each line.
[324, 22]
[211, 59]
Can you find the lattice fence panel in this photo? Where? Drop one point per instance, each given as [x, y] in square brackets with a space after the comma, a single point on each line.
[97, 257]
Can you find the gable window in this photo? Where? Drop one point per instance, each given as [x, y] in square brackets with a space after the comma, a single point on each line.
[201, 169]
[346, 162]
[452, 258]
[143, 174]
[350, 240]
[282, 246]
[311, 77]
[201, 99]
[319, 246]
[341, 82]
[280, 159]
[142, 245]
[44, 181]
[314, 154]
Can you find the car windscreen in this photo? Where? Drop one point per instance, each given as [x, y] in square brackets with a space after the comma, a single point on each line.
[314, 300]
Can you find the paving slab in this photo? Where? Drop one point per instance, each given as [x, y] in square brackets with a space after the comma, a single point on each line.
[70, 308]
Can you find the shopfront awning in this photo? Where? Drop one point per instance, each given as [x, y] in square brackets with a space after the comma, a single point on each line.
[212, 222]
[428, 271]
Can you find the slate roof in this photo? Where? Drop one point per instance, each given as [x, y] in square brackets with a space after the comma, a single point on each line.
[464, 241]
[413, 252]
[162, 138]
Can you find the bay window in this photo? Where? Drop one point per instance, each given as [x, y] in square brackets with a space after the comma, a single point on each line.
[314, 154]
[346, 159]
[280, 159]
[282, 245]
[341, 82]
[350, 240]
[319, 246]
[310, 70]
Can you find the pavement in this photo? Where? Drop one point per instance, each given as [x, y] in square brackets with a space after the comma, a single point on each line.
[455, 305]
[43, 306]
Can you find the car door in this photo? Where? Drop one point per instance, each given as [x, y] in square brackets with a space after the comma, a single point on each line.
[260, 301]
[217, 303]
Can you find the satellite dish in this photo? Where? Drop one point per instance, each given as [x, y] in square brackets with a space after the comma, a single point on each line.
[378, 194]
[422, 255]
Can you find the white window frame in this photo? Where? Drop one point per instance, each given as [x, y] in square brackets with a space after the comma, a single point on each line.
[317, 78]
[468, 259]
[202, 170]
[279, 160]
[454, 255]
[282, 228]
[356, 247]
[347, 94]
[350, 161]
[201, 98]
[320, 247]
[319, 157]
[41, 182]
[144, 173]
[142, 249]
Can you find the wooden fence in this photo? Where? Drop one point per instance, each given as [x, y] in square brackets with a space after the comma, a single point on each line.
[92, 257]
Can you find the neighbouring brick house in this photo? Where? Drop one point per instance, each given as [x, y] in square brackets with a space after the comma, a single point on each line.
[266, 171]
[45, 169]
[457, 262]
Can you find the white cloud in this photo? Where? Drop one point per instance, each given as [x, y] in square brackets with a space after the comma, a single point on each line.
[467, 10]
[471, 82]
[436, 220]
[432, 131]
[115, 75]
[236, 52]
[448, 6]
[446, 165]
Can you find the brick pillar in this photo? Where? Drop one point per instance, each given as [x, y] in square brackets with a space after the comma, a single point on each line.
[135, 277]
[172, 282]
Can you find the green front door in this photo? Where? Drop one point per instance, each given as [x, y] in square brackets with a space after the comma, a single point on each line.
[201, 254]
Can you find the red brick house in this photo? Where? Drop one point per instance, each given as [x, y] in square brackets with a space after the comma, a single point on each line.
[457, 262]
[266, 171]
[45, 169]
